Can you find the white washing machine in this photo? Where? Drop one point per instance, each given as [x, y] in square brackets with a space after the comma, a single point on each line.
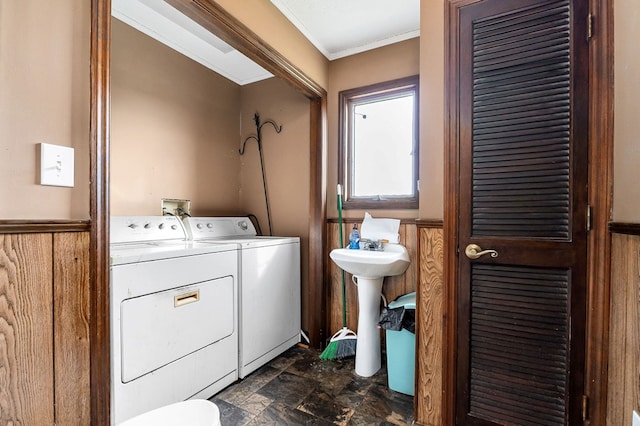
[174, 329]
[269, 289]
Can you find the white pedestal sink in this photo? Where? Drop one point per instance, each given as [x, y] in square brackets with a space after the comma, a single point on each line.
[370, 268]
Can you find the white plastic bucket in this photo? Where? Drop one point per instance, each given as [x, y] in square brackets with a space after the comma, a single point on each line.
[195, 412]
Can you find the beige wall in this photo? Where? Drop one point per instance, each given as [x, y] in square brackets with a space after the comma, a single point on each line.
[432, 109]
[626, 188]
[264, 19]
[44, 97]
[174, 130]
[286, 161]
[386, 63]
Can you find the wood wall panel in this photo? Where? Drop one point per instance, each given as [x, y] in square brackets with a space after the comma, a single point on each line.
[334, 309]
[26, 338]
[44, 327]
[428, 399]
[624, 331]
[392, 287]
[407, 282]
[71, 328]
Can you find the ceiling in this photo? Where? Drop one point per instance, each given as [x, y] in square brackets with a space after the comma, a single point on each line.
[337, 28]
[162, 22]
[340, 28]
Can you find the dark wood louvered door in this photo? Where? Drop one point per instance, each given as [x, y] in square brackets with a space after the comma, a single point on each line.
[523, 197]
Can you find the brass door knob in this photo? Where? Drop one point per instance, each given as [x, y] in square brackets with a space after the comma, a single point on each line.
[473, 251]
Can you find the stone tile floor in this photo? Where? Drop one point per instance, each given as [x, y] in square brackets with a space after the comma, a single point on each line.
[298, 388]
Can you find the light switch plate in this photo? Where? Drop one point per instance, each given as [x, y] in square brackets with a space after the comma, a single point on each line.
[636, 419]
[56, 165]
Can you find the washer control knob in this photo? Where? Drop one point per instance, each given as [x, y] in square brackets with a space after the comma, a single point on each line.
[133, 226]
[161, 226]
[174, 227]
[147, 225]
[209, 225]
[243, 225]
[199, 226]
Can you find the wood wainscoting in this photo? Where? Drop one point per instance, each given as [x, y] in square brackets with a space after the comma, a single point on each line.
[44, 323]
[429, 323]
[623, 394]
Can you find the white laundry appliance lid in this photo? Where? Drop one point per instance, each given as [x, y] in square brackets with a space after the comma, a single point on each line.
[237, 230]
[145, 238]
[144, 252]
[252, 242]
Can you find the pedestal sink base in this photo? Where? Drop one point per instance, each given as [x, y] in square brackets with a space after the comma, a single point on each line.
[370, 268]
[368, 354]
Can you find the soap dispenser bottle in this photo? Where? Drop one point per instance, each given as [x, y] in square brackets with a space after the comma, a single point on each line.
[354, 238]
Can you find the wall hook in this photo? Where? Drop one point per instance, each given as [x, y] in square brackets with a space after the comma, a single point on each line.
[258, 138]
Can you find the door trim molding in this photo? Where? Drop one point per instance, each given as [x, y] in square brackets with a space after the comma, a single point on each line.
[100, 109]
[99, 338]
[600, 184]
[244, 40]
[600, 198]
[451, 190]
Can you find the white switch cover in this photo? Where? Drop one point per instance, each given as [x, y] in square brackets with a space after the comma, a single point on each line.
[636, 418]
[56, 165]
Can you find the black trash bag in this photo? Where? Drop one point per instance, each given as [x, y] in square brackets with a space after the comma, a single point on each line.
[391, 318]
[409, 320]
[398, 318]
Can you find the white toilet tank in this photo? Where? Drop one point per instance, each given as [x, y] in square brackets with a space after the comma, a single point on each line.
[195, 412]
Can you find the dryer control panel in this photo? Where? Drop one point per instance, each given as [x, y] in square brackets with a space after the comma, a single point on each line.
[199, 228]
[126, 229]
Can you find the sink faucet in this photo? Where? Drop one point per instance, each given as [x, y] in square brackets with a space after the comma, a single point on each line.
[374, 245]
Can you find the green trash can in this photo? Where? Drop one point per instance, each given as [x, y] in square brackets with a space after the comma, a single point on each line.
[401, 349]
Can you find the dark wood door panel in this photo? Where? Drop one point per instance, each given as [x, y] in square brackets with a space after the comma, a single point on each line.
[522, 169]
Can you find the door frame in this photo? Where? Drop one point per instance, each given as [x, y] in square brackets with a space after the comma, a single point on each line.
[599, 198]
[222, 24]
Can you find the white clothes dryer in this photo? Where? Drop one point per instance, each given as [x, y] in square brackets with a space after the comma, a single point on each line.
[269, 286]
[173, 315]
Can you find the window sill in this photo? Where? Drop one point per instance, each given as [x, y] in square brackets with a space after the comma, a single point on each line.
[380, 204]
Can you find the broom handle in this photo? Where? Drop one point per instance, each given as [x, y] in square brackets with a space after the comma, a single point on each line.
[344, 292]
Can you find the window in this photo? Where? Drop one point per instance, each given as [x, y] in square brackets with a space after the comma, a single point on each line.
[378, 158]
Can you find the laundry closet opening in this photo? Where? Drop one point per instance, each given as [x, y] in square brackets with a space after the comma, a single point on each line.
[176, 131]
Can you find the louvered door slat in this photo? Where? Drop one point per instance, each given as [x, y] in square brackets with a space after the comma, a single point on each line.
[524, 104]
[518, 343]
[518, 75]
[514, 159]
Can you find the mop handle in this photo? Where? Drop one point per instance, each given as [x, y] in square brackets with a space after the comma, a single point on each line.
[344, 292]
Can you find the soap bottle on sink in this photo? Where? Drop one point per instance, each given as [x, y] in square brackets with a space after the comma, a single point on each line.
[354, 238]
